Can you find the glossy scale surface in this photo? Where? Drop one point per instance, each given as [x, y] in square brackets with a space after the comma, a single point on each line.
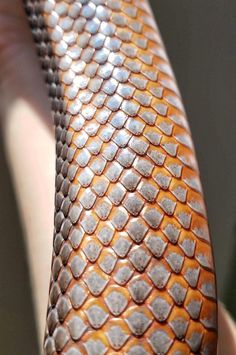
[132, 269]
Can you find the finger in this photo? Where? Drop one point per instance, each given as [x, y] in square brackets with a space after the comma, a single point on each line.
[227, 332]
[20, 73]
[27, 132]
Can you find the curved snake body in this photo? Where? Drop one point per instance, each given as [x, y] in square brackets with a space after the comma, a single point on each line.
[132, 269]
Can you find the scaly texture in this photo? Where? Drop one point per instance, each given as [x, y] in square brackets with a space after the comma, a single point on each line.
[132, 269]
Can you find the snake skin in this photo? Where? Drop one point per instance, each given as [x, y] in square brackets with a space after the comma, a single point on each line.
[132, 269]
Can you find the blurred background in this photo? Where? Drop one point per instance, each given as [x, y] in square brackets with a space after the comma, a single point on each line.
[200, 40]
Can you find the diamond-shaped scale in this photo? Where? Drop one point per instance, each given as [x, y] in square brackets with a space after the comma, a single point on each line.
[133, 203]
[139, 257]
[117, 337]
[97, 316]
[92, 249]
[121, 244]
[123, 273]
[116, 302]
[159, 275]
[95, 282]
[76, 327]
[152, 216]
[160, 308]
[138, 322]
[95, 347]
[107, 261]
[139, 289]
[178, 292]
[175, 260]
[160, 342]
[155, 244]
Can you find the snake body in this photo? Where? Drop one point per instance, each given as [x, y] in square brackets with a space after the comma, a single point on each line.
[132, 268]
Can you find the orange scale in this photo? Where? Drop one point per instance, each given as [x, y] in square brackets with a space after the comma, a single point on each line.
[173, 98]
[183, 214]
[77, 313]
[116, 288]
[138, 319]
[199, 227]
[177, 288]
[204, 256]
[187, 242]
[179, 322]
[98, 338]
[209, 343]
[91, 247]
[159, 63]
[155, 88]
[171, 229]
[175, 258]
[155, 46]
[193, 294]
[206, 284]
[121, 244]
[194, 336]
[165, 125]
[182, 135]
[159, 331]
[167, 202]
[174, 166]
[160, 107]
[157, 154]
[160, 304]
[98, 301]
[170, 146]
[179, 190]
[102, 228]
[117, 332]
[103, 207]
[137, 344]
[159, 273]
[208, 315]
[122, 272]
[95, 279]
[178, 118]
[117, 322]
[71, 345]
[191, 271]
[179, 348]
[153, 136]
[186, 157]
[134, 61]
[162, 177]
[140, 287]
[168, 83]
[156, 243]
[107, 260]
[196, 203]
[191, 179]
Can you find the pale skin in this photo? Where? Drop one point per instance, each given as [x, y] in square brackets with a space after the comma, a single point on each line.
[30, 149]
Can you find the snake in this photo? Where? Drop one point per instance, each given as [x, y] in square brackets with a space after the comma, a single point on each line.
[132, 266]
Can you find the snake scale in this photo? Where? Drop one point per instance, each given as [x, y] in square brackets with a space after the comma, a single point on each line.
[132, 267]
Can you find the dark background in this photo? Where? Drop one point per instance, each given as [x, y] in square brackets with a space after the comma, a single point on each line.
[200, 40]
